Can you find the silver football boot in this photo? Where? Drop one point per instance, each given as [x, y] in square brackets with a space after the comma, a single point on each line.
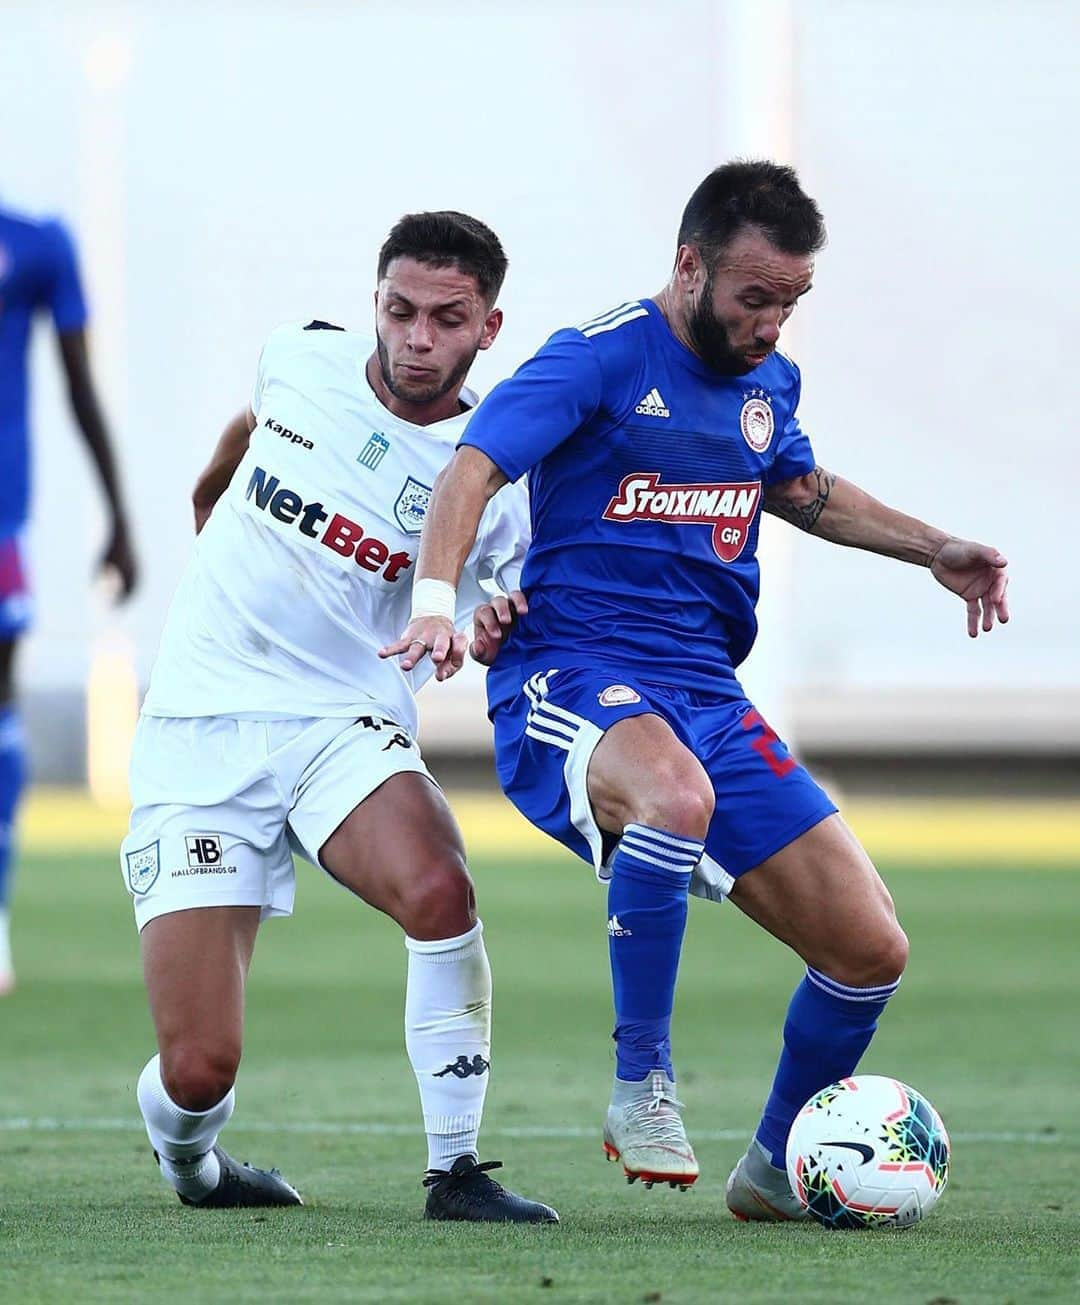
[757, 1190]
[644, 1130]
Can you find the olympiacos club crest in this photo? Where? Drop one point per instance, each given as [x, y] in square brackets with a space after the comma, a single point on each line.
[617, 695]
[756, 421]
[412, 505]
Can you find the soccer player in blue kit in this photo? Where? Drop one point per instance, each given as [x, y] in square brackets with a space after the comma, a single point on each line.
[654, 436]
[38, 273]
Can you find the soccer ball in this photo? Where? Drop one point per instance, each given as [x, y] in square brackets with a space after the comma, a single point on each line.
[868, 1152]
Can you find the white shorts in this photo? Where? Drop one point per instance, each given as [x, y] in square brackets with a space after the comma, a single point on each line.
[220, 804]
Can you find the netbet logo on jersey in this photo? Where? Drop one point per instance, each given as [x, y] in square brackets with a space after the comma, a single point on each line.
[342, 536]
[729, 509]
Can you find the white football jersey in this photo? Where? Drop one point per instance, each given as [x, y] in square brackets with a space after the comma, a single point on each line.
[305, 567]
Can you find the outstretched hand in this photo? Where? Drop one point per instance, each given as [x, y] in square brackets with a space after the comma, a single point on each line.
[492, 622]
[979, 575]
[432, 636]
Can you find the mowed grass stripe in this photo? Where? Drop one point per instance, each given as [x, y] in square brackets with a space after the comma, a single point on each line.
[364, 1128]
[922, 833]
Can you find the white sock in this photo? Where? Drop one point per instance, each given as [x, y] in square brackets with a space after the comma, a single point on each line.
[448, 1038]
[183, 1139]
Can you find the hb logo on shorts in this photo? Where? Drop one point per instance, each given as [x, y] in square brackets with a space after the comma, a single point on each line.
[203, 850]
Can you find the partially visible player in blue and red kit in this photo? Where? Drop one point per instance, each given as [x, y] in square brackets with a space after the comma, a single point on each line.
[653, 437]
[38, 274]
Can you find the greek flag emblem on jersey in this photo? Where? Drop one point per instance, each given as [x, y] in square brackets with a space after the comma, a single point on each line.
[374, 451]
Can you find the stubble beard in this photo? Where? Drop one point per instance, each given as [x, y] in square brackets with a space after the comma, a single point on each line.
[421, 393]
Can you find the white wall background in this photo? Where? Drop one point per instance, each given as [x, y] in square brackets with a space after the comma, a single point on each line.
[228, 168]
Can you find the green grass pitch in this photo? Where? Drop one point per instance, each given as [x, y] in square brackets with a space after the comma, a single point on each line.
[985, 1024]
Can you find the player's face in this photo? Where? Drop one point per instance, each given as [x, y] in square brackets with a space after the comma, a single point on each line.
[430, 323]
[739, 308]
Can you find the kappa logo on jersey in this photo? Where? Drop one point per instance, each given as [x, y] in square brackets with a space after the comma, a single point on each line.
[412, 505]
[756, 420]
[373, 452]
[342, 536]
[294, 437]
[729, 509]
[653, 405]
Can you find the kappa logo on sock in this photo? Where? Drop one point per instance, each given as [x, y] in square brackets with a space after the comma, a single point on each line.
[615, 929]
[463, 1067]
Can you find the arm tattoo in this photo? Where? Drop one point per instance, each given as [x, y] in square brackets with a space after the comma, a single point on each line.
[805, 514]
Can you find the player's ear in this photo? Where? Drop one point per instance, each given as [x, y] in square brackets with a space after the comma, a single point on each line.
[492, 325]
[690, 268]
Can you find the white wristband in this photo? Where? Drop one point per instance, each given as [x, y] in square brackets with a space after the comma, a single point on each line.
[433, 598]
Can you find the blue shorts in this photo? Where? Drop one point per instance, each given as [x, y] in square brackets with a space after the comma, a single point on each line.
[15, 603]
[546, 732]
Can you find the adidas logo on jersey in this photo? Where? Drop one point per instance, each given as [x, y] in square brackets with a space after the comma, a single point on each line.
[653, 405]
[294, 437]
[615, 929]
[342, 536]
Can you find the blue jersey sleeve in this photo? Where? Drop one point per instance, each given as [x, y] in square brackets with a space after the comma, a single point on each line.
[546, 400]
[794, 455]
[64, 293]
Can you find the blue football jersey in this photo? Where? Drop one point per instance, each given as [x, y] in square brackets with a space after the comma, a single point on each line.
[646, 473]
[38, 273]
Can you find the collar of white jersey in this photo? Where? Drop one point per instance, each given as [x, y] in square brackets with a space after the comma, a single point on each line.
[466, 395]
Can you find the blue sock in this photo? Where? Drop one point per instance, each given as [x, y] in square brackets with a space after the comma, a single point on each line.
[650, 879]
[828, 1027]
[12, 775]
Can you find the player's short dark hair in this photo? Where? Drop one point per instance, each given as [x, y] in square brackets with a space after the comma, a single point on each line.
[448, 239]
[751, 193]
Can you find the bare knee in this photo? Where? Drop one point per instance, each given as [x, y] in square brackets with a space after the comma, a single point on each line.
[681, 803]
[437, 900]
[879, 958]
[198, 1077]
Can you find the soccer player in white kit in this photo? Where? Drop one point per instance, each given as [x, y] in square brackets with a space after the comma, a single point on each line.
[272, 726]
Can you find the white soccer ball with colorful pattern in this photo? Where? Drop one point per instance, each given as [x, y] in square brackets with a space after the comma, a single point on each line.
[868, 1152]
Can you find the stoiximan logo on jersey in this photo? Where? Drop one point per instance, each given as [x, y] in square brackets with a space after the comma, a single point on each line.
[411, 506]
[729, 509]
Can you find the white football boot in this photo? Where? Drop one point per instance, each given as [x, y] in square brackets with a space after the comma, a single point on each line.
[757, 1190]
[644, 1130]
